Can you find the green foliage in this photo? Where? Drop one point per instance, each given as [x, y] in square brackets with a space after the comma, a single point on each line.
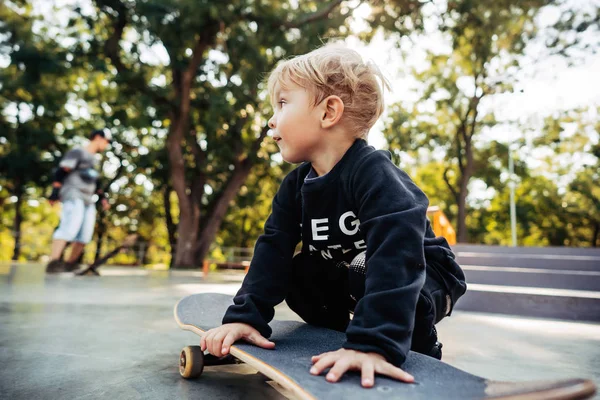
[148, 69]
[32, 99]
[446, 133]
[206, 94]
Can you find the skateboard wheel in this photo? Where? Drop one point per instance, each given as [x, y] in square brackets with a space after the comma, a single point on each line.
[191, 362]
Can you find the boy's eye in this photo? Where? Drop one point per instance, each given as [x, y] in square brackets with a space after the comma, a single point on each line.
[281, 103]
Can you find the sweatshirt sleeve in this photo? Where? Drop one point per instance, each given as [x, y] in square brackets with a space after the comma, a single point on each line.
[267, 280]
[393, 212]
[71, 159]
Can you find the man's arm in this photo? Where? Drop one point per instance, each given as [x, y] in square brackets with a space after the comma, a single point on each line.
[102, 195]
[267, 280]
[59, 177]
[67, 164]
[392, 213]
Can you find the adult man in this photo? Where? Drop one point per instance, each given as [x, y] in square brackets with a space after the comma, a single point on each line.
[76, 181]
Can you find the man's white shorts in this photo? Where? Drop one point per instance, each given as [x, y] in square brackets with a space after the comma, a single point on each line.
[77, 221]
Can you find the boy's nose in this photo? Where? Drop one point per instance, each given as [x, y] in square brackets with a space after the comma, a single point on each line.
[271, 122]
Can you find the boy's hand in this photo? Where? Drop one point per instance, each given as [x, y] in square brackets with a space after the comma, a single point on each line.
[218, 341]
[368, 363]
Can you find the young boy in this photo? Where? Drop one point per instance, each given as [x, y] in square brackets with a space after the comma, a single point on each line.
[367, 246]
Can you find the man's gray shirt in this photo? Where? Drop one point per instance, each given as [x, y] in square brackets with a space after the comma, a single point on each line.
[80, 183]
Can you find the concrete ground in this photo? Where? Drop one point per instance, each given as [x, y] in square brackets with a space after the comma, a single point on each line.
[114, 337]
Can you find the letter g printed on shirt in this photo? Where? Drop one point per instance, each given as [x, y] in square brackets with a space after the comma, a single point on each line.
[355, 223]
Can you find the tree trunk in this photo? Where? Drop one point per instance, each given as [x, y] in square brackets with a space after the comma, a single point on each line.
[189, 203]
[245, 234]
[18, 220]
[189, 211]
[215, 219]
[171, 227]
[461, 219]
[186, 238]
[145, 246]
[466, 132]
[462, 235]
[596, 234]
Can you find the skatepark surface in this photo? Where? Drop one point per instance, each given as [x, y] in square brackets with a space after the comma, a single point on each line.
[114, 337]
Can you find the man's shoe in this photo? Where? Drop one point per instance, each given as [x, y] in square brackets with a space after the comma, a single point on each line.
[71, 266]
[55, 266]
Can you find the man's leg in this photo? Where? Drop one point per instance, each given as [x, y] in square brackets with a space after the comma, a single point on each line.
[84, 236]
[58, 245]
[76, 250]
[71, 217]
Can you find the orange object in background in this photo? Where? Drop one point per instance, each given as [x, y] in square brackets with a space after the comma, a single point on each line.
[441, 225]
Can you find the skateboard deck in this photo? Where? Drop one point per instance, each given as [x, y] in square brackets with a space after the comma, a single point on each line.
[289, 363]
[92, 269]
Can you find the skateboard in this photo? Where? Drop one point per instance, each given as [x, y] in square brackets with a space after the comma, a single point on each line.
[92, 269]
[289, 363]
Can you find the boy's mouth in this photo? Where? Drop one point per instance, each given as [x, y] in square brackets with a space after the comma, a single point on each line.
[276, 138]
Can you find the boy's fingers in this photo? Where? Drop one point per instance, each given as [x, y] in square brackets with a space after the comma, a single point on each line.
[203, 343]
[388, 369]
[368, 374]
[210, 342]
[324, 362]
[257, 339]
[227, 342]
[338, 370]
[218, 343]
[316, 358]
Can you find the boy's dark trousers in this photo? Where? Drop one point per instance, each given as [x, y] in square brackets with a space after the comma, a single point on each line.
[323, 292]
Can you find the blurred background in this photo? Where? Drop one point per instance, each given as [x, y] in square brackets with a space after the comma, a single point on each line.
[494, 107]
[493, 111]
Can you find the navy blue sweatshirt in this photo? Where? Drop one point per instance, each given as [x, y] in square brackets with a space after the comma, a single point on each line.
[364, 203]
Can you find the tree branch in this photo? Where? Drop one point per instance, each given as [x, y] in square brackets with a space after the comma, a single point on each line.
[199, 180]
[206, 39]
[111, 46]
[449, 184]
[112, 49]
[459, 147]
[259, 140]
[469, 135]
[184, 80]
[199, 154]
[317, 15]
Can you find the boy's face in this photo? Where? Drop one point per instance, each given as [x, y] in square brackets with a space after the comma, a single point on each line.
[295, 124]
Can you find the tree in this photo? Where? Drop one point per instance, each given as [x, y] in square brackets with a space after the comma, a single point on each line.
[486, 39]
[570, 142]
[487, 42]
[245, 221]
[557, 201]
[207, 96]
[585, 200]
[35, 86]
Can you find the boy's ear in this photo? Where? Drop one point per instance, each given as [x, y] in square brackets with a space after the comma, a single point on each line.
[333, 108]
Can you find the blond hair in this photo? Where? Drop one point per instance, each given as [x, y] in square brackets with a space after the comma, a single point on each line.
[336, 70]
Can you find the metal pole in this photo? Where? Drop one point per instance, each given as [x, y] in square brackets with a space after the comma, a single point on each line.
[513, 212]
